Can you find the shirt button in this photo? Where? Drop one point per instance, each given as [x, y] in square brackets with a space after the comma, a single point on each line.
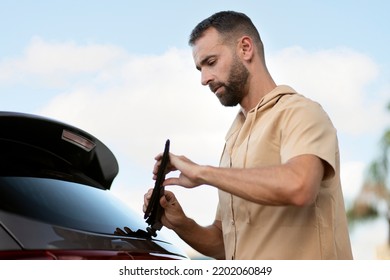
[233, 222]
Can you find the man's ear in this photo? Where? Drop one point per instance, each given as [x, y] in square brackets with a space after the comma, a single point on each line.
[245, 48]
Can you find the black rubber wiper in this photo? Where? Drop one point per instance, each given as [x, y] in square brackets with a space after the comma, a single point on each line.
[154, 211]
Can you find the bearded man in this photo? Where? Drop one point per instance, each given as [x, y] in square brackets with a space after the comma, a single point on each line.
[279, 187]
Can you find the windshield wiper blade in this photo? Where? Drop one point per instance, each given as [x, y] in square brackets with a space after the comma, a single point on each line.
[154, 211]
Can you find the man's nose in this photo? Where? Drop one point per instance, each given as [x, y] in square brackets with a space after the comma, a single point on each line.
[206, 77]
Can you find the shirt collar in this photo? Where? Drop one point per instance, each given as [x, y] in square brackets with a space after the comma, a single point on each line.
[269, 100]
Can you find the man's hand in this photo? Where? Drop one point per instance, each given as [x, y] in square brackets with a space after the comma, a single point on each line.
[189, 176]
[173, 215]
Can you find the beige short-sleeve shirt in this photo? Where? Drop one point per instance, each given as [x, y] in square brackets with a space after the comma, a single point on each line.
[284, 125]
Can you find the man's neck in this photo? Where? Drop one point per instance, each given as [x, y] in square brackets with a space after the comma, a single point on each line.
[253, 98]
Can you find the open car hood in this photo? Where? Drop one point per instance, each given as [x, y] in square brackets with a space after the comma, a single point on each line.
[35, 146]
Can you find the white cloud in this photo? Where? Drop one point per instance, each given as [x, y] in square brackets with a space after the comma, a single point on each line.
[341, 79]
[352, 173]
[59, 64]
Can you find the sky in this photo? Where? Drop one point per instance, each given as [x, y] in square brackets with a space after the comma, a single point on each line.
[123, 71]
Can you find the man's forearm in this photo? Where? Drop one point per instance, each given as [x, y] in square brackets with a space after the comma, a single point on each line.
[294, 183]
[206, 240]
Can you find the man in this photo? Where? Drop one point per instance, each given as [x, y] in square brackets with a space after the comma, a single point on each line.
[279, 177]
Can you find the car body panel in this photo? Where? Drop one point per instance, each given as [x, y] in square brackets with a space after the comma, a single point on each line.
[55, 198]
[34, 235]
[50, 139]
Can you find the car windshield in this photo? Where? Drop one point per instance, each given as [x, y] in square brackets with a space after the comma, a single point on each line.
[66, 204]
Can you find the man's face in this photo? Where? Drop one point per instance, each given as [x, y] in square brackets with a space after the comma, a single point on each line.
[221, 68]
[235, 84]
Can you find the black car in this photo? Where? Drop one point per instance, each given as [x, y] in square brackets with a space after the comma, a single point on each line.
[55, 200]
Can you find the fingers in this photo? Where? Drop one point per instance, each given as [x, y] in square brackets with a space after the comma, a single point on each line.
[171, 182]
[170, 166]
[173, 213]
[157, 165]
[158, 159]
[147, 198]
[168, 199]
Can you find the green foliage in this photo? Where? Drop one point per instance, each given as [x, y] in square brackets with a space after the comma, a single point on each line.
[375, 186]
[362, 213]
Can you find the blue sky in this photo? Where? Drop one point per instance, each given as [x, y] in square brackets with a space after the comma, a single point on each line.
[123, 71]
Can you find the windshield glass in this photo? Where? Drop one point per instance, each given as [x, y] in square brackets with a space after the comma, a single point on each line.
[67, 204]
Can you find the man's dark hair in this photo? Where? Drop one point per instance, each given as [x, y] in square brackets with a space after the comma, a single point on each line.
[230, 25]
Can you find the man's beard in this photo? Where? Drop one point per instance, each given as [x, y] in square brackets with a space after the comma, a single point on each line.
[235, 85]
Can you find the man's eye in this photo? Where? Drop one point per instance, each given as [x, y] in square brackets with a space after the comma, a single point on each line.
[211, 62]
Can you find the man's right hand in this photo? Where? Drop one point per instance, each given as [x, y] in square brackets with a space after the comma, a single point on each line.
[173, 215]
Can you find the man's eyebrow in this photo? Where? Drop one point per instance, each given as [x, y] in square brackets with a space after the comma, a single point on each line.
[204, 61]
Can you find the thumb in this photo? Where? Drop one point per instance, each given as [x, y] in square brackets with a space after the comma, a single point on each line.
[171, 181]
[167, 199]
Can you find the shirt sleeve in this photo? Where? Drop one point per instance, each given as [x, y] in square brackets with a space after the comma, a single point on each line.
[307, 129]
